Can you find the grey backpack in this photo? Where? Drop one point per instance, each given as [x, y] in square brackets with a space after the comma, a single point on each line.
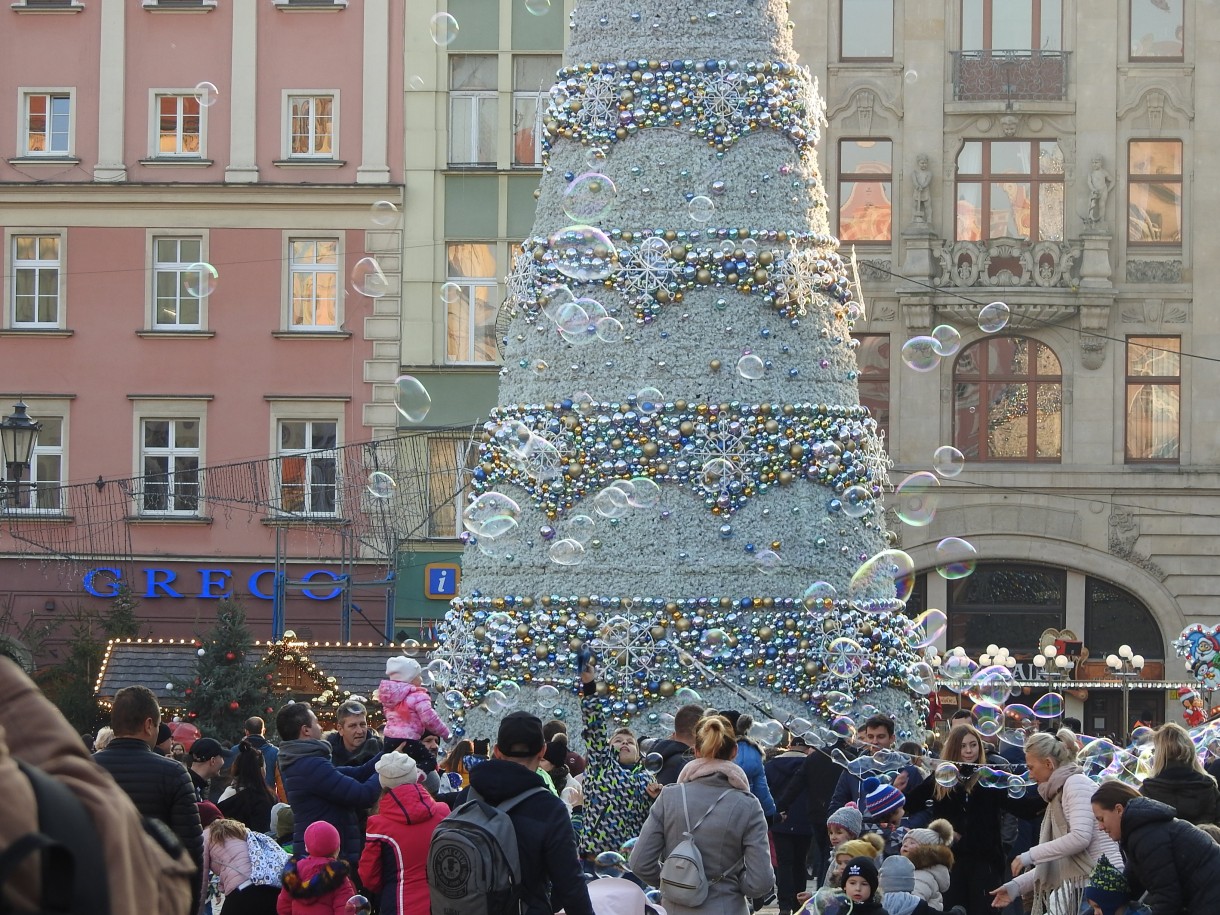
[683, 879]
[473, 865]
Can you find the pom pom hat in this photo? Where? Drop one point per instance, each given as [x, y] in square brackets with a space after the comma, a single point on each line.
[849, 818]
[881, 799]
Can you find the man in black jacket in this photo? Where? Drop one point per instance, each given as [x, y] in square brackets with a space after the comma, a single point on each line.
[160, 787]
[545, 841]
[676, 749]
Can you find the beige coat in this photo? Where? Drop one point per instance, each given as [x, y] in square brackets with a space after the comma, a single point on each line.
[142, 877]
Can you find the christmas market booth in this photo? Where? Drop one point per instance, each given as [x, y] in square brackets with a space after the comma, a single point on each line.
[324, 674]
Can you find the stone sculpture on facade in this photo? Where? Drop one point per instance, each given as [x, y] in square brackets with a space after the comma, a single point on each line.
[1101, 182]
[921, 180]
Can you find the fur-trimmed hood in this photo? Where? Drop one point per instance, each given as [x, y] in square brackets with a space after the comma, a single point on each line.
[925, 856]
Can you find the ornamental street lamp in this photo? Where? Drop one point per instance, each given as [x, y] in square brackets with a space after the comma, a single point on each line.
[18, 436]
[1052, 666]
[1126, 666]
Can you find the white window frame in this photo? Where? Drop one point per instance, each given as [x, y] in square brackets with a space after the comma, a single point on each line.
[308, 412]
[461, 448]
[287, 97]
[290, 271]
[154, 126]
[172, 452]
[469, 285]
[477, 99]
[152, 312]
[540, 97]
[25, 94]
[39, 411]
[10, 247]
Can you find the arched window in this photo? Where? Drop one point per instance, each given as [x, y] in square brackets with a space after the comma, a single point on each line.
[1008, 401]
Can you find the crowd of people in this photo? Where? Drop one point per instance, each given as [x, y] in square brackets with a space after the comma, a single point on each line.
[351, 821]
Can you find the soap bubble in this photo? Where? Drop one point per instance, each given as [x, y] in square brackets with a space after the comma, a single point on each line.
[956, 671]
[583, 253]
[946, 774]
[206, 94]
[654, 763]
[948, 339]
[1049, 706]
[955, 558]
[799, 727]
[589, 197]
[611, 502]
[927, 628]
[769, 732]
[767, 561]
[357, 905]
[368, 278]
[546, 696]
[416, 82]
[993, 317]
[838, 703]
[751, 367]
[495, 701]
[440, 672]
[916, 498]
[511, 691]
[947, 461]
[857, 501]
[687, 696]
[595, 157]
[537, 7]
[566, 552]
[701, 208]
[649, 400]
[846, 658]
[921, 678]
[715, 644]
[654, 251]
[888, 570]
[666, 721]
[820, 596]
[920, 354]
[383, 213]
[989, 720]
[491, 515]
[1016, 786]
[451, 293]
[843, 727]
[609, 330]
[199, 280]
[991, 686]
[444, 29]
[381, 485]
[579, 528]
[910, 77]
[645, 493]
[411, 398]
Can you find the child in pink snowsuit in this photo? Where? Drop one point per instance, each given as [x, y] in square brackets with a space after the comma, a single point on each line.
[408, 711]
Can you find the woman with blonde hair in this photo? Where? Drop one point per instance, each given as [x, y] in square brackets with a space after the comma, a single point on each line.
[226, 854]
[103, 738]
[953, 794]
[712, 803]
[1178, 778]
[1057, 869]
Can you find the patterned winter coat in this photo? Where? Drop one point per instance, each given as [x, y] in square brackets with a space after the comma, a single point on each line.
[616, 804]
[932, 866]
[408, 711]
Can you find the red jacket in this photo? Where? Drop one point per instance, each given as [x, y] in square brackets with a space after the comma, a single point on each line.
[393, 863]
[294, 900]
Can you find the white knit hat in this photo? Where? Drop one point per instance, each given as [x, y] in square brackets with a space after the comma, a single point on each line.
[394, 769]
[402, 669]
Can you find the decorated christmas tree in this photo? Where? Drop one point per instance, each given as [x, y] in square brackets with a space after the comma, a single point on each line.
[679, 474]
[232, 681]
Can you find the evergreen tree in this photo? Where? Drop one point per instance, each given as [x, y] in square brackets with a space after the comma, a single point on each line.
[679, 474]
[232, 680]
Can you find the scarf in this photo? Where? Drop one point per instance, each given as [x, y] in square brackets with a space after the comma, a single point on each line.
[700, 767]
[305, 747]
[1061, 881]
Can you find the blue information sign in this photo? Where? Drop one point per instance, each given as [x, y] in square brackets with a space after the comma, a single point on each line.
[441, 580]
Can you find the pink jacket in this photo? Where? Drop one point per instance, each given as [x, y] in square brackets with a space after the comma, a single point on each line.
[408, 711]
[230, 861]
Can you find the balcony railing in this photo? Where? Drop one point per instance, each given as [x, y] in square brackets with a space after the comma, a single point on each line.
[980, 76]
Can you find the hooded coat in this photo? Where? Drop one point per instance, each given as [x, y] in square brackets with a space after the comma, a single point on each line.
[394, 861]
[732, 840]
[1192, 794]
[933, 864]
[317, 790]
[408, 711]
[1177, 864]
[315, 886]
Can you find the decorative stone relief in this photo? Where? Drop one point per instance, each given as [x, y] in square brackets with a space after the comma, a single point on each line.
[1124, 533]
[1092, 351]
[876, 270]
[1177, 312]
[868, 104]
[1006, 262]
[883, 311]
[1150, 271]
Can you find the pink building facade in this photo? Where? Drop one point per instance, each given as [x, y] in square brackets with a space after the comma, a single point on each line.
[141, 140]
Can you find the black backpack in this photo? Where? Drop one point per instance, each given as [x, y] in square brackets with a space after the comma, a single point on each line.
[73, 865]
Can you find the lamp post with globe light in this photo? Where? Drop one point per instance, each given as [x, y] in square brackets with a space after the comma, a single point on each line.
[1052, 666]
[1126, 666]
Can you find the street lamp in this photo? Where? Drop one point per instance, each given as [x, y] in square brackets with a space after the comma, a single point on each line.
[18, 436]
[1126, 666]
[1052, 665]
